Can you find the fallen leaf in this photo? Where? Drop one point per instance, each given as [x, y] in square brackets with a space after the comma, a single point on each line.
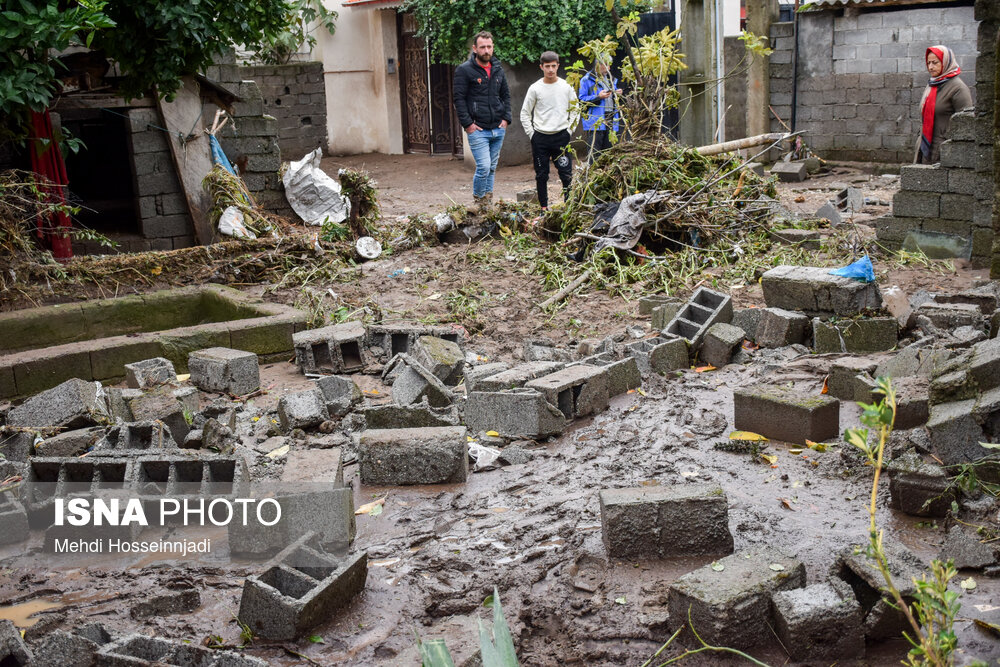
[770, 458]
[787, 504]
[968, 584]
[493, 434]
[826, 388]
[800, 199]
[777, 567]
[795, 452]
[275, 453]
[316, 639]
[640, 391]
[990, 445]
[371, 392]
[718, 567]
[368, 507]
[156, 270]
[184, 378]
[704, 369]
[818, 446]
[986, 625]
[747, 435]
[434, 297]
[621, 600]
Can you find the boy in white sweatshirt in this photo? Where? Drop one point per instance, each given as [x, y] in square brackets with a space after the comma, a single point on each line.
[549, 117]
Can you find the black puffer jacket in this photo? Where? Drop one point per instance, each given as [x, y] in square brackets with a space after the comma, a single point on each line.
[480, 99]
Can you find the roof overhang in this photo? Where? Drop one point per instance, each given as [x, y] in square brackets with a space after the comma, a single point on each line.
[374, 4]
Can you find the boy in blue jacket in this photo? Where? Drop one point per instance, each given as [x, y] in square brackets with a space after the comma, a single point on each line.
[597, 95]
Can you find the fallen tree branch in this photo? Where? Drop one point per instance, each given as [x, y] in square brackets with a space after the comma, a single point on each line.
[739, 144]
[566, 291]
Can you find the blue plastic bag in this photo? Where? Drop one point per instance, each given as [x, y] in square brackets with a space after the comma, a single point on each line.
[860, 270]
[218, 156]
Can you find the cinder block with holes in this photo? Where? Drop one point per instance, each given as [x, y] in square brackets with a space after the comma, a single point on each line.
[703, 309]
[576, 390]
[139, 650]
[300, 588]
[385, 341]
[335, 349]
[134, 438]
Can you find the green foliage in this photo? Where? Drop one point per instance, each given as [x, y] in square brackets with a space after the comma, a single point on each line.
[522, 29]
[333, 231]
[935, 609]
[297, 33]
[495, 651]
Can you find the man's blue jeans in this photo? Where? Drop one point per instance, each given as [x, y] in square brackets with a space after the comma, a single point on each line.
[485, 146]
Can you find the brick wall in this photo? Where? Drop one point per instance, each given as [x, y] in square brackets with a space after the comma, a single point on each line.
[947, 208]
[861, 76]
[295, 96]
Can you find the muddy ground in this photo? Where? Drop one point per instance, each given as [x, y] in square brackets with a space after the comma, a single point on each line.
[533, 529]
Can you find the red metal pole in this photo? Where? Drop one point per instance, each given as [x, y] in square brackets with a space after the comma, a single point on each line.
[47, 161]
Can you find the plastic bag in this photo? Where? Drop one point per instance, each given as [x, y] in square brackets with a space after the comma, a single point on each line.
[231, 224]
[860, 270]
[314, 196]
[218, 155]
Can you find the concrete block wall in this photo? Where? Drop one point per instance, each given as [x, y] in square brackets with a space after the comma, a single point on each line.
[162, 210]
[295, 96]
[956, 196]
[861, 76]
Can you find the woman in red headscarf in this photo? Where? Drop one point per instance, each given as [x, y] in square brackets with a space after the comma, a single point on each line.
[945, 94]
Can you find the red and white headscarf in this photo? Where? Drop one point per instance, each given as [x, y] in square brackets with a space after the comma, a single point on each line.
[949, 69]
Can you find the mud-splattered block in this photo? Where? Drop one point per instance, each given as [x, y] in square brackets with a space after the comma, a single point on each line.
[576, 390]
[814, 291]
[820, 622]
[402, 456]
[918, 487]
[666, 521]
[782, 414]
[729, 601]
[523, 413]
[226, 370]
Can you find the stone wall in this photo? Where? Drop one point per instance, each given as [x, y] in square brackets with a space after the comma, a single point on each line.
[735, 89]
[946, 209]
[295, 96]
[860, 77]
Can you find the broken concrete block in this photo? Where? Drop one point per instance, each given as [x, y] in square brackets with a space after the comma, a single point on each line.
[513, 413]
[175, 602]
[666, 521]
[814, 291]
[160, 404]
[13, 652]
[661, 315]
[542, 349]
[966, 550]
[576, 390]
[850, 200]
[335, 349]
[911, 361]
[918, 487]
[475, 374]
[13, 520]
[731, 606]
[721, 340]
[747, 319]
[828, 211]
[804, 238]
[984, 366]
[443, 358]
[17, 446]
[650, 301]
[149, 373]
[135, 438]
[410, 416]
[415, 383]
[72, 404]
[303, 587]
[950, 315]
[224, 370]
[397, 457]
[589, 347]
[820, 622]
[857, 336]
[329, 513]
[955, 432]
[703, 309]
[189, 397]
[517, 376]
[782, 414]
[844, 381]
[860, 572]
[789, 172]
[778, 327]
[303, 409]
[385, 341]
[139, 650]
[61, 649]
[623, 374]
[340, 394]
[912, 402]
[657, 355]
[117, 403]
[70, 443]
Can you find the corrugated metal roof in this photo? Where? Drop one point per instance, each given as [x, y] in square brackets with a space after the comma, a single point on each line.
[867, 3]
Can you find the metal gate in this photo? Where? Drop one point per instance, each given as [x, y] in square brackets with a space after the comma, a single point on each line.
[430, 124]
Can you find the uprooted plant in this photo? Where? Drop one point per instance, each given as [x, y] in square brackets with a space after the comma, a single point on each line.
[495, 651]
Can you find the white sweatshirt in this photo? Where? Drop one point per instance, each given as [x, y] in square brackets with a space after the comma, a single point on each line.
[547, 108]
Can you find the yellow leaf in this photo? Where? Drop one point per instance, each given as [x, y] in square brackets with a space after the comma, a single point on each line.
[640, 391]
[368, 507]
[795, 452]
[704, 369]
[747, 435]
[184, 378]
[493, 434]
[770, 458]
[156, 270]
[818, 446]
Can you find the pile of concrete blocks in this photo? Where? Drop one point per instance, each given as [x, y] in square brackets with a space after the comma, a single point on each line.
[224, 370]
[729, 601]
[386, 341]
[782, 414]
[432, 455]
[666, 521]
[302, 586]
[141, 650]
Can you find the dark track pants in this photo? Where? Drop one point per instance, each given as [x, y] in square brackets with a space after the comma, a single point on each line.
[545, 147]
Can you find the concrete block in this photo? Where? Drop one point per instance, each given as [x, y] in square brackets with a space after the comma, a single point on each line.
[340, 348]
[13, 520]
[864, 578]
[328, 513]
[576, 390]
[778, 327]
[72, 404]
[815, 291]
[963, 126]
[443, 358]
[789, 172]
[665, 521]
[960, 154]
[966, 551]
[384, 341]
[543, 349]
[149, 373]
[224, 370]
[651, 301]
[820, 622]
[513, 413]
[134, 438]
[435, 455]
[303, 409]
[13, 652]
[303, 586]
[963, 182]
[923, 178]
[340, 394]
[137, 650]
[806, 238]
[69, 443]
[957, 207]
[857, 336]
[721, 340]
[748, 320]
[703, 309]
[782, 414]
[912, 402]
[732, 606]
[950, 316]
[955, 433]
[161, 404]
[656, 355]
[912, 361]
[910, 204]
[475, 374]
[414, 383]
[851, 379]
[61, 649]
[661, 315]
[517, 376]
[918, 487]
[622, 374]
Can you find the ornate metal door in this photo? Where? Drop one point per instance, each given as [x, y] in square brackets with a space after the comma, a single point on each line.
[430, 124]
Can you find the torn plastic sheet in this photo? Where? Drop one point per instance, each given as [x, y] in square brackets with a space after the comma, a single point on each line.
[231, 224]
[313, 195]
[627, 224]
[483, 456]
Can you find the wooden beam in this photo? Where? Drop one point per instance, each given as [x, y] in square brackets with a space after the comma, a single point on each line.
[191, 152]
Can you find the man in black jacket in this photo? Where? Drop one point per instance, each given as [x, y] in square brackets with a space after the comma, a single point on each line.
[482, 100]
